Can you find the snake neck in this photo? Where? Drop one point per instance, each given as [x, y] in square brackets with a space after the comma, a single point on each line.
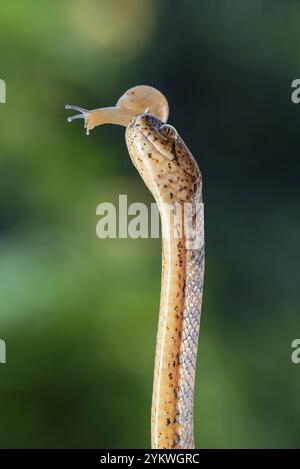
[177, 336]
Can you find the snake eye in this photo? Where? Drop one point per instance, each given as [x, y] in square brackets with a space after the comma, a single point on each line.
[168, 131]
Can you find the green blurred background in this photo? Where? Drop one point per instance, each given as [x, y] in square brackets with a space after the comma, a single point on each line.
[79, 314]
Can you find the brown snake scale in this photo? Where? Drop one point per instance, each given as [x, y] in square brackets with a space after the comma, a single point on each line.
[172, 175]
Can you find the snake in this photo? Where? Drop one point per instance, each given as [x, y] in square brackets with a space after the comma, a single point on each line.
[172, 175]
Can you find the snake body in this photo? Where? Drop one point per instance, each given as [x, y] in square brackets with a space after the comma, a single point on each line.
[172, 175]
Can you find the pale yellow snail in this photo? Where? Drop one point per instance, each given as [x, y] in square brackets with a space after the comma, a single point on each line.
[173, 177]
[137, 100]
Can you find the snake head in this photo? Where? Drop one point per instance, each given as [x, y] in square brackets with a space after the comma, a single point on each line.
[163, 160]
